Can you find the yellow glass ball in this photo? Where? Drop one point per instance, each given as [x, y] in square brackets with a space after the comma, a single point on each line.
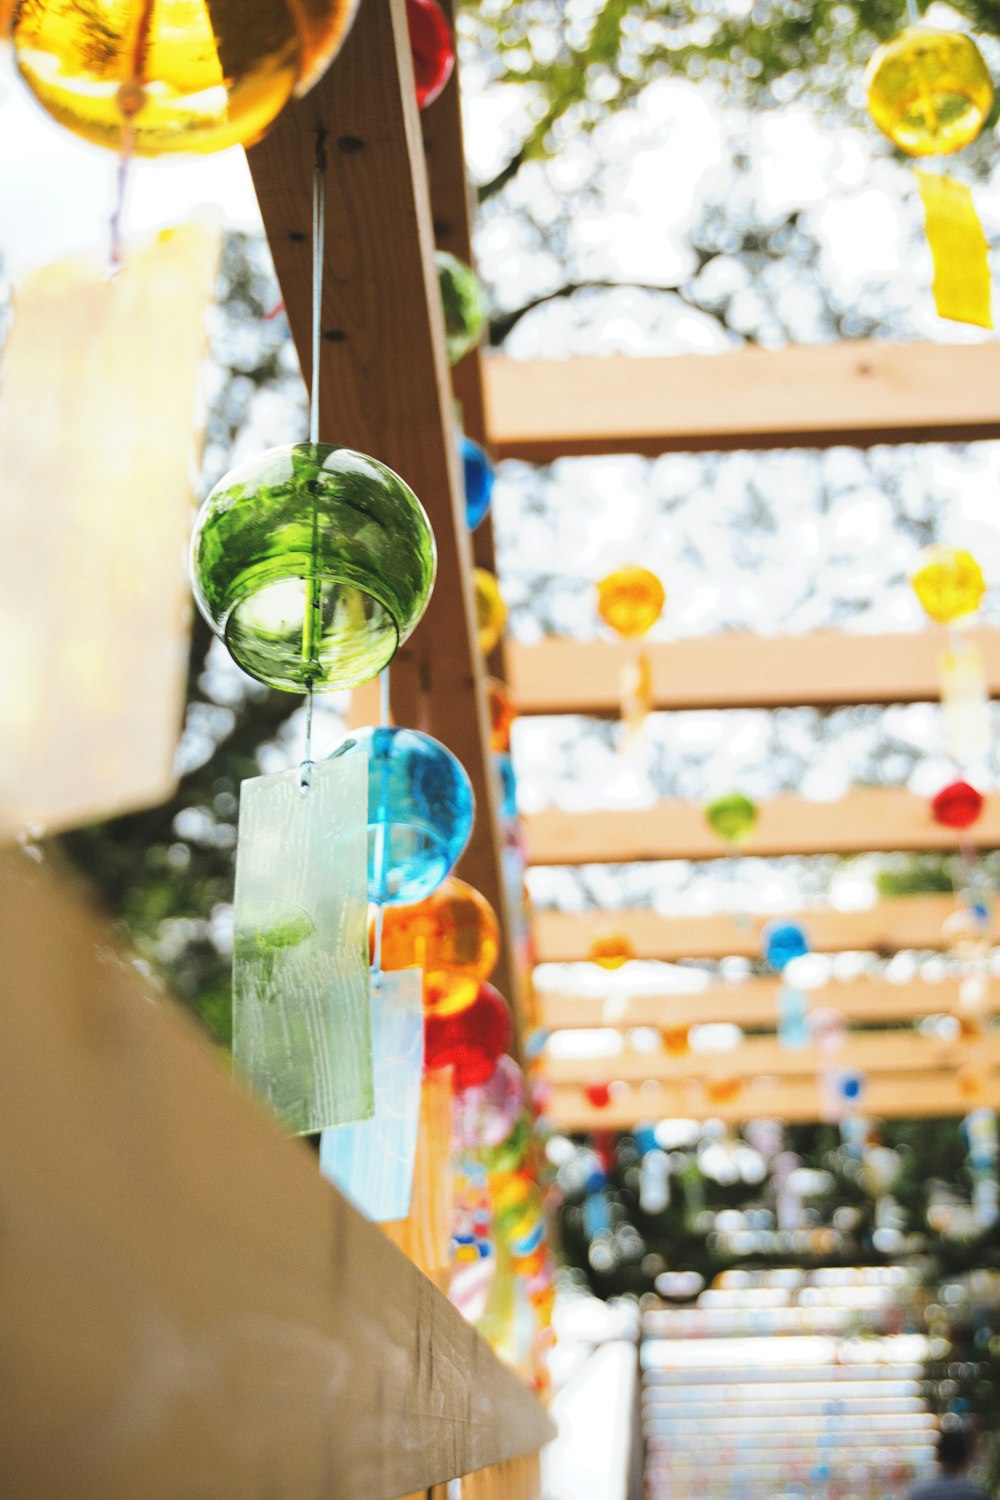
[630, 600]
[162, 76]
[949, 583]
[929, 91]
[611, 950]
[491, 612]
[453, 936]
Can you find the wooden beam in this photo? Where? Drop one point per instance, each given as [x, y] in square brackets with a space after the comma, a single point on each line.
[206, 1314]
[384, 380]
[900, 922]
[738, 670]
[857, 392]
[753, 1004]
[518, 1479]
[868, 818]
[868, 1052]
[792, 1100]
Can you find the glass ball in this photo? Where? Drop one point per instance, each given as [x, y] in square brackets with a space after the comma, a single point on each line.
[676, 1040]
[733, 817]
[479, 475]
[312, 564]
[598, 1095]
[502, 714]
[510, 1154]
[957, 805]
[504, 766]
[471, 1040]
[929, 91]
[491, 612]
[783, 942]
[420, 812]
[463, 303]
[486, 1115]
[949, 583]
[611, 950]
[453, 936]
[432, 48]
[630, 600]
[203, 80]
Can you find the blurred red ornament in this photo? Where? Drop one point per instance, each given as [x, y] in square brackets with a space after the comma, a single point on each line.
[599, 1095]
[469, 1040]
[957, 805]
[432, 47]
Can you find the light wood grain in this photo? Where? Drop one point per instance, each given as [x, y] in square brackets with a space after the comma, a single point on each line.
[187, 1307]
[867, 818]
[856, 392]
[754, 1004]
[738, 670]
[517, 1479]
[890, 925]
[794, 1100]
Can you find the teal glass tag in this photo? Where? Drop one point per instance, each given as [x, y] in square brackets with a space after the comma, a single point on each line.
[301, 1018]
[372, 1162]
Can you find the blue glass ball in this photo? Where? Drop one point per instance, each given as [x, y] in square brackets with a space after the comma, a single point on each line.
[508, 785]
[477, 467]
[784, 941]
[420, 812]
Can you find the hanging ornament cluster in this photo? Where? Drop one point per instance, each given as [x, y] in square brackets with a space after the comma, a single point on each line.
[930, 92]
[432, 49]
[148, 77]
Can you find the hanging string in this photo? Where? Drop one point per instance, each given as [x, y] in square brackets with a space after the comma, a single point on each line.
[912, 14]
[131, 97]
[312, 621]
[383, 697]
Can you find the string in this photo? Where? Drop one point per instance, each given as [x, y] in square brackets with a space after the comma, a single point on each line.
[383, 697]
[131, 97]
[312, 621]
[913, 15]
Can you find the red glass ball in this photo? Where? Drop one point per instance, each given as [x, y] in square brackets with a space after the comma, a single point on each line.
[957, 805]
[432, 47]
[598, 1094]
[469, 1040]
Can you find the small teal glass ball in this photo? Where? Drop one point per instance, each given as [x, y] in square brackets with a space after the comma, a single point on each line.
[479, 474]
[420, 812]
[783, 942]
[508, 785]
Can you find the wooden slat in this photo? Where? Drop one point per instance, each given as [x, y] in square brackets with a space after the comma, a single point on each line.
[764, 1057]
[894, 924]
[517, 1479]
[855, 392]
[205, 1314]
[868, 818]
[384, 379]
[792, 1100]
[753, 1004]
[739, 670]
[96, 445]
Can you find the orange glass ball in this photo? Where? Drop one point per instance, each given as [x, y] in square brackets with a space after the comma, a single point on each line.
[630, 601]
[723, 1090]
[611, 950]
[676, 1040]
[502, 715]
[453, 936]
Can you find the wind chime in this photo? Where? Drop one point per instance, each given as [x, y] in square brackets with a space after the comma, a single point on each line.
[630, 601]
[930, 92]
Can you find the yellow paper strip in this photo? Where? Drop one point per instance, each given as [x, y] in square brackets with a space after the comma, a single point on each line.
[958, 245]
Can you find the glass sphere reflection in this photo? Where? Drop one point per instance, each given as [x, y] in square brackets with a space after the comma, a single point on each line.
[312, 563]
[929, 91]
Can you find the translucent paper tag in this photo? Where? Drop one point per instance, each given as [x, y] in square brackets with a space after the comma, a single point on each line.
[958, 247]
[301, 1020]
[425, 1233]
[965, 701]
[372, 1161]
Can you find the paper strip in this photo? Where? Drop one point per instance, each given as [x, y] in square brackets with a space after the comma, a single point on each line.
[301, 1018]
[958, 245]
[372, 1161]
